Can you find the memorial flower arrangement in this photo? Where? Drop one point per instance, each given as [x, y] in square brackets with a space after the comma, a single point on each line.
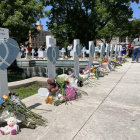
[115, 63]
[66, 92]
[12, 106]
[121, 59]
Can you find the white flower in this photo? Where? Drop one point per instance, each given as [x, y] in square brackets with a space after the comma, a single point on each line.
[63, 76]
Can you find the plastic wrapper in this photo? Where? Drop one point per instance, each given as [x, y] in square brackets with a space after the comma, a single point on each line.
[4, 114]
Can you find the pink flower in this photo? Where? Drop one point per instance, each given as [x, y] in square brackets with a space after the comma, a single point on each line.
[70, 93]
[87, 68]
[72, 75]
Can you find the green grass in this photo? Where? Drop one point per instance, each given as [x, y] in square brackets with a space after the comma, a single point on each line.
[27, 91]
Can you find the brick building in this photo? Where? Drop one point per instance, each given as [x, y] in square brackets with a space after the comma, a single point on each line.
[40, 38]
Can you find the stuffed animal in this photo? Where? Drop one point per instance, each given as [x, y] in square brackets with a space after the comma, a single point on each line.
[49, 99]
[12, 126]
[52, 86]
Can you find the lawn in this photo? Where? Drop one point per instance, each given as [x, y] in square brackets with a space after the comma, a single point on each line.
[27, 91]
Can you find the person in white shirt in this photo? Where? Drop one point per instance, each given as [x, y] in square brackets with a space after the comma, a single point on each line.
[69, 48]
[22, 50]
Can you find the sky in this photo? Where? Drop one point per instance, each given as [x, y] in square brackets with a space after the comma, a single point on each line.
[136, 13]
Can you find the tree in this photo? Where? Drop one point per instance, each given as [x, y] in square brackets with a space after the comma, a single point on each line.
[135, 27]
[20, 16]
[86, 17]
[63, 35]
[119, 28]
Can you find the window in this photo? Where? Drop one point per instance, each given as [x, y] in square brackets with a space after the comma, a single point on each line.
[124, 40]
[46, 34]
[113, 40]
[37, 44]
[40, 44]
[36, 39]
[43, 34]
[43, 39]
[40, 34]
[121, 40]
[33, 44]
[40, 39]
[33, 39]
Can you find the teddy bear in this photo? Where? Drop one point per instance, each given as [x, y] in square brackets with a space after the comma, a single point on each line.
[49, 99]
[12, 126]
[52, 86]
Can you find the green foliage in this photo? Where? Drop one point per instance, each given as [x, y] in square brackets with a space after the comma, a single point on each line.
[114, 28]
[20, 16]
[83, 19]
[25, 92]
[135, 28]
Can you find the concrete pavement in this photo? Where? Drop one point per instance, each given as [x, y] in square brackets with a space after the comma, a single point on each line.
[110, 111]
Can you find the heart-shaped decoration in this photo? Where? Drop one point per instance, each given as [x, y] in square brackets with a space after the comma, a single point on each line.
[78, 50]
[53, 54]
[92, 50]
[9, 50]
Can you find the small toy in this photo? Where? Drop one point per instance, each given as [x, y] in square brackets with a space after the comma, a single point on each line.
[49, 99]
[52, 86]
[4, 97]
[12, 126]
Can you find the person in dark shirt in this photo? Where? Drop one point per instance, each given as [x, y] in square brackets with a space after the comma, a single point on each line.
[36, 54]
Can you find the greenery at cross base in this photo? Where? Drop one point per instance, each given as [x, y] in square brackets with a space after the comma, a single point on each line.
[27, 91]
[12, 77]
[20, 16]
[84, 19]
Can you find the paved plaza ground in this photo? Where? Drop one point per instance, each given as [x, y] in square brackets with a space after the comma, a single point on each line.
[111, 111]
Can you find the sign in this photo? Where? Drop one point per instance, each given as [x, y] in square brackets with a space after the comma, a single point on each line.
[53, 54]
[50, 41]
[4, 33]
[9, 50]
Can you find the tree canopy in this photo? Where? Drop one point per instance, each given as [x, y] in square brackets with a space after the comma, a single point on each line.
[85, 18]
[20, 16]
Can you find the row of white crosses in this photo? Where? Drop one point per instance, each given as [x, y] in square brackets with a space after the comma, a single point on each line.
[77, 52]
[109, 50]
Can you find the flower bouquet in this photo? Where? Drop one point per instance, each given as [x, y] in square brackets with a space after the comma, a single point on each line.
[66, 92]
[12, 106]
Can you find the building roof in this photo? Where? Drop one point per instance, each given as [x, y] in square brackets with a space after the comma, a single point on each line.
[38, 22]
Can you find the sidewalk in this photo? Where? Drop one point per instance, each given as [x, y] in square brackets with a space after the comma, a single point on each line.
[110, 112]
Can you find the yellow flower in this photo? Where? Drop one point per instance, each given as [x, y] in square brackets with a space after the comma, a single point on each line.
[93, 71]
[93, 57]
[101, 60]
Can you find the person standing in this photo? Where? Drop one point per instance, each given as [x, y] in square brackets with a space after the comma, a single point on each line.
[124, 49]
[22, 50]
[136, 45]
[69, 48]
